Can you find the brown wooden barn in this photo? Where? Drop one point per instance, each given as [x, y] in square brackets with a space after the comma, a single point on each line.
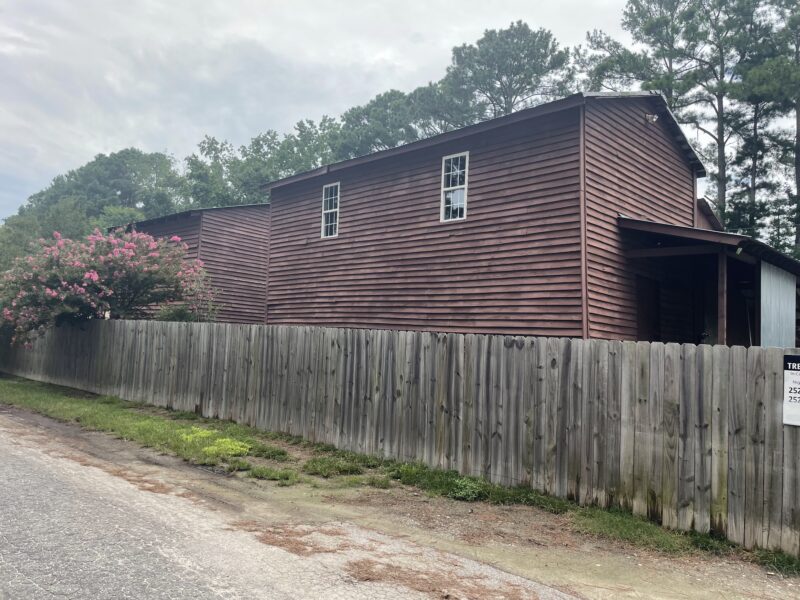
[574, 218]
[232, 242]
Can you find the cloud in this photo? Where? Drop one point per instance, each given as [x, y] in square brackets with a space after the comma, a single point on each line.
[98, 76]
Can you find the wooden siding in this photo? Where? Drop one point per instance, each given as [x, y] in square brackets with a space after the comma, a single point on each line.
[635, 168]
[514, 265]
[703, 222]
[233, 244]
[234, 247]
[184, 225]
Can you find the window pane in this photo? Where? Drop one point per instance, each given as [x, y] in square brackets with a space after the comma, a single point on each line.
[454, 205]
[455, 173]
[331, 197]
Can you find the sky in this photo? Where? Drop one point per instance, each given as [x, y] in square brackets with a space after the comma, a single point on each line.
[95, 76]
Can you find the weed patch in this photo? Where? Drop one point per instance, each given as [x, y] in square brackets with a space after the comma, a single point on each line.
[780, 562]
[211, 442]
[474, 489]
[283, 476]
[622, 526]
[331, 466]
[269, 452]
[237, 464]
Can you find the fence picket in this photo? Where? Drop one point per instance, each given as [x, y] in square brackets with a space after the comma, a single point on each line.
[691, 436]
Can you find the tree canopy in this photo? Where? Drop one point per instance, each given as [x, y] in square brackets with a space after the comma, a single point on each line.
[729, 70]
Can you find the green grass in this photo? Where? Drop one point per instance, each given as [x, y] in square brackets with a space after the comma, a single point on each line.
[238, 464]
[355, 481]
[473, 489]
[777, 561]
[283, 476]
[196, 441]
[622, 526]
[213, 442]
[331, 466]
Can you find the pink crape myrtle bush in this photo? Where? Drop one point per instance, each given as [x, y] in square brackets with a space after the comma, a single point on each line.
[118, 275]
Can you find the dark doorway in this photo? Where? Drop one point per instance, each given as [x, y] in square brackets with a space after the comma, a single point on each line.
[648, 309]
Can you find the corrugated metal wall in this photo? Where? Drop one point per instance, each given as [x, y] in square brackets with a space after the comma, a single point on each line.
[778, 310]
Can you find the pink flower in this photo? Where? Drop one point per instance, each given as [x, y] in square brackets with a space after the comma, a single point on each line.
[91, 275]
[175, 239]
[56, 235]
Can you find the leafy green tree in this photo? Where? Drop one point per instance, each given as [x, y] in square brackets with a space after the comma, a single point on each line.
[208, 175]
[720, 36]
[116, 216]
[146, 184]
[130, 177]
[661, 64]
[384, 122]
[510, 69]
[778, 78]
[440, 107]
[311, 145]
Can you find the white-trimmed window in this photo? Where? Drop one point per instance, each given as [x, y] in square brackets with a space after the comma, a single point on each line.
[454, 187]
[330, 210]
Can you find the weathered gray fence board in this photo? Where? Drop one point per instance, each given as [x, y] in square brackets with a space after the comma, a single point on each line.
[691, 436]
[671, 418]
[643, 436]
[627, 399]
[721, 387]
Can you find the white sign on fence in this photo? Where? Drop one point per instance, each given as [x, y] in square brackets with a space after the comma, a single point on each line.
[791, 390]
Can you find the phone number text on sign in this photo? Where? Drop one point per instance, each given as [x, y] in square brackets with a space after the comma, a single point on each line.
[791, 390]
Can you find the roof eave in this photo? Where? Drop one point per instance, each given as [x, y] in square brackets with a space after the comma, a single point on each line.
[736, 241]
[529, 113]
[523, 115]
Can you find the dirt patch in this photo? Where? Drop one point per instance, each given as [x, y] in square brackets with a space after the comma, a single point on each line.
[528, 542]
[435, 584]
[299, 540]
[473, 523]
[139, 480]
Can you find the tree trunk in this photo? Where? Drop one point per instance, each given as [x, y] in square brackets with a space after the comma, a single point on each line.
[751, 196]
[722, 166]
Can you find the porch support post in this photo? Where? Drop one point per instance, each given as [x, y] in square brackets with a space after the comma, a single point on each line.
[722, 298]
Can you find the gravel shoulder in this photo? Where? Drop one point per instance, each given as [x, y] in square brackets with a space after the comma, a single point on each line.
[81, 508]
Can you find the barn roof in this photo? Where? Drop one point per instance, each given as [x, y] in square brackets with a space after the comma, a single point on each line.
[660, 108]
[186, 213]
[733, 241]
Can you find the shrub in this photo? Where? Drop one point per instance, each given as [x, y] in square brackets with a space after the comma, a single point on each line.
[226, 448]
[119, 275]
[468, 489]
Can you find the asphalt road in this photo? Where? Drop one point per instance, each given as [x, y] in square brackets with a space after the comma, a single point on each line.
[70, 528]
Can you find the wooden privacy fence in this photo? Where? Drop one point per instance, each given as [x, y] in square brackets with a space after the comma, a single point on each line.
[689, 436]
